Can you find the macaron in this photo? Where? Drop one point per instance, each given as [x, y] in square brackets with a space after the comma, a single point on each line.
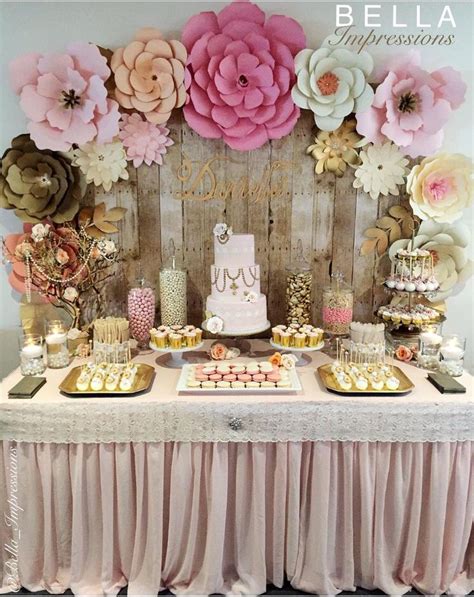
[208, 384]
[274, 377]
[238, 369]
[267, 384]
[201, 377]
[244, 377]
[215, 377]
[258, 377]
[193, 383]
[230, 377]
[237, 384]
[253, 384]
[283, 383]
[223, 384]
[209, 369]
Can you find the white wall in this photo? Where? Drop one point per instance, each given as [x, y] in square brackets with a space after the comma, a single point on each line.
[50, 26]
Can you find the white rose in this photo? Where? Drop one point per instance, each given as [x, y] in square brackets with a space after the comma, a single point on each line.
[288, 361]
[220, 229]
[215, 325]
[39, 232]
[71, 294]
[251, 297]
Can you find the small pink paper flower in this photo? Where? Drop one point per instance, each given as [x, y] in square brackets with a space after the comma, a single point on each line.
[143, 141]
[411, 106]
[242, 68]
[65, 98]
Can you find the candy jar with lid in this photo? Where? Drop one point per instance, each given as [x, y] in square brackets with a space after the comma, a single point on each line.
[173, 299]
[141, 311]
[338, 301]
[299, 282]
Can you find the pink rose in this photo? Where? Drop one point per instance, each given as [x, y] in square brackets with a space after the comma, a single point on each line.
[218, 351]
[242, 69]
[411, 106]
[403, 353]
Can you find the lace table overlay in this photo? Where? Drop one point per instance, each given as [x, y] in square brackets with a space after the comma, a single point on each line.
[162, 415]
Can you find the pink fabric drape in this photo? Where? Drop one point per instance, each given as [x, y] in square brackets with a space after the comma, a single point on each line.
[199, 518]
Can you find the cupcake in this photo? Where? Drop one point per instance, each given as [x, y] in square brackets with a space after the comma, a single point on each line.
[285, 339]
[276, 335]
[313, 339]
[198, 332]
[190, 338]
[159, 339]
[299, 340]
[175, 341]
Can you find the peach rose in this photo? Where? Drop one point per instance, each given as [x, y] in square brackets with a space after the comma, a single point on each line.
[62, 257]
[403, 353]
[218, 351]
[275, 359]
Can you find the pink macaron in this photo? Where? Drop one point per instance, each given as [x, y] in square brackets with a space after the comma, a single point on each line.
[258, 377]
[244, 377]
[215, 377]
[273, 377]
[201, 377]
[229, 377]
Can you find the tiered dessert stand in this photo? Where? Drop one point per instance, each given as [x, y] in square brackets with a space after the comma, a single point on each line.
[300, 353]
[177, 360]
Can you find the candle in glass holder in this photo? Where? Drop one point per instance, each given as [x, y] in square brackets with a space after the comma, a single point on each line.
[57, 352]
[452, 352]
[31, 354]
[428, 355]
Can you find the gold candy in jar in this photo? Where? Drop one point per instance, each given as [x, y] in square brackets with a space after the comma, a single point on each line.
[299, 283]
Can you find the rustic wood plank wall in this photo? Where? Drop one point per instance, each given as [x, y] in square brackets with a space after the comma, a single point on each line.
[326, 213]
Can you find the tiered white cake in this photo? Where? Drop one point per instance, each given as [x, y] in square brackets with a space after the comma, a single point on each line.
[235, 282]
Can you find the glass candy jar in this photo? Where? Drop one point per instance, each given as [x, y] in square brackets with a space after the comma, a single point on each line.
[338, 301]
[299, 282]
[31, 354]
[141, 312]
[173, 299]
[452, 355]
[57, 352]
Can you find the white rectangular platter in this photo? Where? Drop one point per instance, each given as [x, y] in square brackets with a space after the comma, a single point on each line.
[182, 388]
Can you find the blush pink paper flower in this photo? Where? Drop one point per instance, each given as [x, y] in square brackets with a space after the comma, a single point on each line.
[242, 68]
[411, 106]
[143, 141]
[65, 98]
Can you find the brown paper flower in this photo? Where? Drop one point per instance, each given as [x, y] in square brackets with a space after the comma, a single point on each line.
[39, 184]
[150, 75]
[334, 150]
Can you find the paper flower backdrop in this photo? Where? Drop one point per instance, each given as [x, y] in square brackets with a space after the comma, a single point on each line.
[448, 244]
[382, 170]
[65, 98]
[242, 73]
[332, 83]
[150, 75]
[102, 164]
[411, 106]
[143, 141]
[334, 150]
[39, 184]
[441, 186]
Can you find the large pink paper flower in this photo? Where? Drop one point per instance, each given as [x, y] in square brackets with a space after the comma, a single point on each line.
[65, 97]
[411, 106]
[143, 141]
[242, 73]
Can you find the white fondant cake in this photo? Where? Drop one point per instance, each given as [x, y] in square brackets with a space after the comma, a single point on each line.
[235, 283]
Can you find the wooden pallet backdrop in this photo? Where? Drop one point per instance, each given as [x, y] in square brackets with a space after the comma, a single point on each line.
[326, 213]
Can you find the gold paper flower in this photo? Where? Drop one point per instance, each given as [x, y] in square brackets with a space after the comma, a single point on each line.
[102, 164]
[440, 187]
[150, 75]
[334, 150]
[382, 169]
[39, 184]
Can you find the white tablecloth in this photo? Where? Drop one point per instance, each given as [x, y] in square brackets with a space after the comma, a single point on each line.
[161, 415]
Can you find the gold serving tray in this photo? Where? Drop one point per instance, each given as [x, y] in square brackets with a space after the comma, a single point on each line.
[405, 387]
[143, 381]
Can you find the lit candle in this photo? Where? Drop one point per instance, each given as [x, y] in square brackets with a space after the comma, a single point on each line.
[56, 337]
[430, 338]
[32, 351]
[452, 353]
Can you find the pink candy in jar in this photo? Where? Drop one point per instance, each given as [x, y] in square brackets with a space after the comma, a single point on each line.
[141, 312]
[338, 301]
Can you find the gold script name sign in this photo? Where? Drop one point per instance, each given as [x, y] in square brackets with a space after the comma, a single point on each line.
[201, 182]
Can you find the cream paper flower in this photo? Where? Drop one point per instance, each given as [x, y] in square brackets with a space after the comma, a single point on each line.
[251, 297]
[39, 232]
[441, 186]
[382, 169]
[102, 164]
[215, 324]
[288, 361]
[332, 83]
[448, 244]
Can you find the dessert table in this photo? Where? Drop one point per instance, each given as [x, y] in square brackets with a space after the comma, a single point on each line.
[226, 493]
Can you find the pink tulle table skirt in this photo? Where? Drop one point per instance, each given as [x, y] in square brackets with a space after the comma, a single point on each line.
[199, 518]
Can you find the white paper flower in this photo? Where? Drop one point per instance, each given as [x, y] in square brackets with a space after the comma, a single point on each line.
[441, 186]
[382, 169]
[288, 361]
[102, 164]
[215, 324]
[251, 297]
[107, 247]
[232, 353]
[332, 83]
[70, 294]
[448, 244]
[40, 232]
